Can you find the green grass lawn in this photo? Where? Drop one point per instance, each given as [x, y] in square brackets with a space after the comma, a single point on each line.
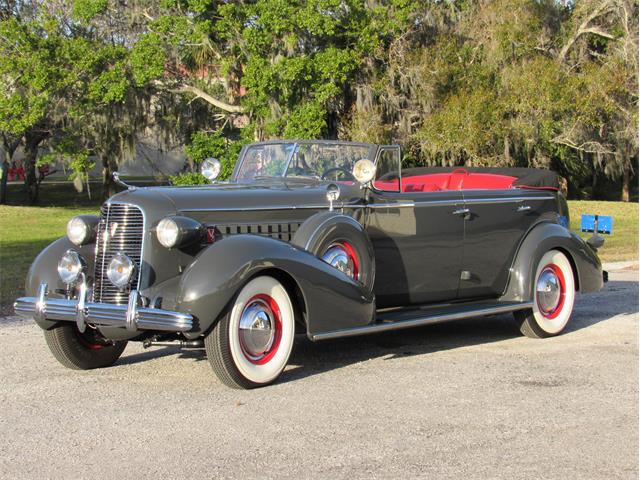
[25, 231]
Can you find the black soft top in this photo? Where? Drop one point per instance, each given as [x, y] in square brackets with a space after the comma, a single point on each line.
[526, 177]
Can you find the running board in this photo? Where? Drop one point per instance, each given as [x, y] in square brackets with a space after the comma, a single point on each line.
[387, 323]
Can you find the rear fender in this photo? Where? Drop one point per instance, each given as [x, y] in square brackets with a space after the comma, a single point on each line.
[210, 283]
[542, 238]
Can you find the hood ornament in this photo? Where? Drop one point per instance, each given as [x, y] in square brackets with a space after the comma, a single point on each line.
[116, 178]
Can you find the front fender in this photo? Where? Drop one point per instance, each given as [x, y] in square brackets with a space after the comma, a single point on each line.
[542, 238]
[45, 269]
[209, 284]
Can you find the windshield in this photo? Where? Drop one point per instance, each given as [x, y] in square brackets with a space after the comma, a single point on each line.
[332, 161]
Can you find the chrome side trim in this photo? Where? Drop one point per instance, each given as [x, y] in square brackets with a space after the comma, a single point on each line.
[261, 208]
[102, 314]
[416, 322]
[394, 205]
[506, 199]
[403, 204]
[452, 202]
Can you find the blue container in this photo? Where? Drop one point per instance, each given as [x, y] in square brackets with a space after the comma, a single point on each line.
[605, 224]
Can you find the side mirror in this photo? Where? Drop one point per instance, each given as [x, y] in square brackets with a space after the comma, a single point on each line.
[211, 168]
[364, 171]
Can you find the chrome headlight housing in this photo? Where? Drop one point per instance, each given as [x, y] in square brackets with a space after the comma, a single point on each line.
[211, 168]
[82, 229]
[70, 266]
[364, 171]
[173, 232]
[120, 270]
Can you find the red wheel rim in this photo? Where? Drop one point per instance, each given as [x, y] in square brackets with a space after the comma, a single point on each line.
[555, 311]
[342, 256]
[271, 308]
[353, 256]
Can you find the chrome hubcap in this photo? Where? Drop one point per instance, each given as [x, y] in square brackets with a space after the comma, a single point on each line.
[338, 257]
[548, 291]
[257, 330]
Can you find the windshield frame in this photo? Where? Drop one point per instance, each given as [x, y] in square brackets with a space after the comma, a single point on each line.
[372, 152]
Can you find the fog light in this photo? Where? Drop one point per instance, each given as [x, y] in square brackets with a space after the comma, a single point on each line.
[70, 266]
[121, 270]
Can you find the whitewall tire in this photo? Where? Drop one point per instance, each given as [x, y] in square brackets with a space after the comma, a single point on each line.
[250, 345]
[554, 293]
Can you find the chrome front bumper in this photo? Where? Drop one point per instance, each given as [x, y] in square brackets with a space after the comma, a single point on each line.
[131, 316]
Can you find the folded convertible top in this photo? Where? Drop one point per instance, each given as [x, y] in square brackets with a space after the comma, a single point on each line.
[525, 177]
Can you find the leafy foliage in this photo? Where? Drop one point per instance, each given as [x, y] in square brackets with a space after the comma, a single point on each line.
[188, 178]
[490, 82]
[213, 144]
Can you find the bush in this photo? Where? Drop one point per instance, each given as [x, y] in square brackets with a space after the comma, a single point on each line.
[188, 178]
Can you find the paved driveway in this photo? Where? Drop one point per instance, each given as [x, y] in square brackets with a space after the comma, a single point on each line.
[465, 400]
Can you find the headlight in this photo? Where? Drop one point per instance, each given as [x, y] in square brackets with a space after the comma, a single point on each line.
[70, 266]
[121, 270]
[211, 168]
[178, 231]
[82, 229]
[364, 170]
[168, 232]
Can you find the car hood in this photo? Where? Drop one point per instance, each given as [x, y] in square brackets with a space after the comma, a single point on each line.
[261, 195]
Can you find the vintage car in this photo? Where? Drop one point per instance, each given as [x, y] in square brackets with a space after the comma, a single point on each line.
[326, 238]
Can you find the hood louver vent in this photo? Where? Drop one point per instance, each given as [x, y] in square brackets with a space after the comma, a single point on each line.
[279, 231]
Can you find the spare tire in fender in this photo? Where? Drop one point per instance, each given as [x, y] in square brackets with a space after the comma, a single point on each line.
[333, 235]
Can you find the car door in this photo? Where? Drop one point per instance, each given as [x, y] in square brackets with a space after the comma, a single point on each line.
[496, 223]
[417, 238]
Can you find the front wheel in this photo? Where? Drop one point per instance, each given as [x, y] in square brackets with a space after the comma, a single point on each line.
[250, 345]
[553, 296]
[82, 351]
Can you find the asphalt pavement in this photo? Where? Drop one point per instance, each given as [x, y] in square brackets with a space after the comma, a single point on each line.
[471, 399]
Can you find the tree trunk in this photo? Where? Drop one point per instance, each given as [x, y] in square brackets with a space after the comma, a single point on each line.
[108, 185]
[626, 182]
[4, 174]
[86, 172]
[31, 144]
[507, 155]
[9, 148]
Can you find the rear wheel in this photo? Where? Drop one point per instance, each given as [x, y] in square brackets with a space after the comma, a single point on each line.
[553, 297]
[82, 351]
[250, 345]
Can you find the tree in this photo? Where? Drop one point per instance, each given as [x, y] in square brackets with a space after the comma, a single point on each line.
[602, 53]
[492, 82]
[30, 85]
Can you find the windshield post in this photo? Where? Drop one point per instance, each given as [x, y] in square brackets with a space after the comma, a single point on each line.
[293, 152]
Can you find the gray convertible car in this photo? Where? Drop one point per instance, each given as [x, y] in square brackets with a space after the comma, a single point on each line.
[325, 238]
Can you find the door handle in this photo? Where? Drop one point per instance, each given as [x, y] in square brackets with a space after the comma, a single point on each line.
[524, 208]
[462, 211]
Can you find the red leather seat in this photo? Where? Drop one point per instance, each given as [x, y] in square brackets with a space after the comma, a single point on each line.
[459, 179]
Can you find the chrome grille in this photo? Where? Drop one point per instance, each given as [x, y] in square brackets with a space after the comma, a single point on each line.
[121, 229]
